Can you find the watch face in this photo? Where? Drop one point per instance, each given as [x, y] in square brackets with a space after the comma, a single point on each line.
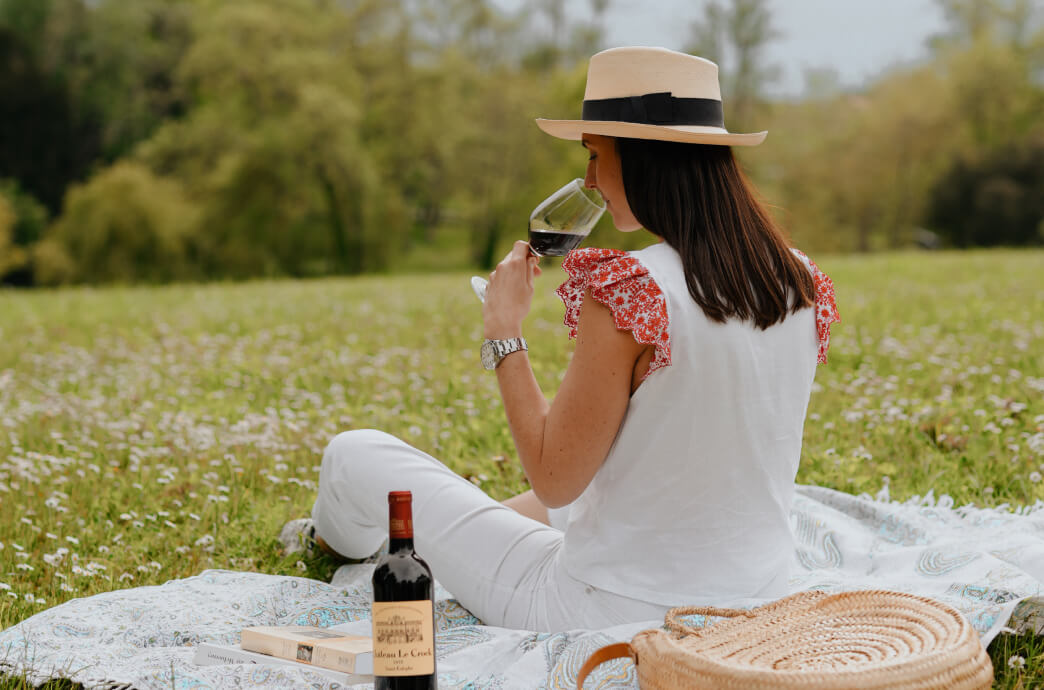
[489, 355]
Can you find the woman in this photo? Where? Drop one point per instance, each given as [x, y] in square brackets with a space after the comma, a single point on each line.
[663, 470]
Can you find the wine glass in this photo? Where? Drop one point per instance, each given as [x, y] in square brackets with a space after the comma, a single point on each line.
[558, 224]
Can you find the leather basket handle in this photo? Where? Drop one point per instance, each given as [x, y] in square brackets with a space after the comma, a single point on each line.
[600, 656]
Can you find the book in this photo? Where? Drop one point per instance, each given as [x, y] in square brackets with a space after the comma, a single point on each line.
[311, 645]
[209, 654]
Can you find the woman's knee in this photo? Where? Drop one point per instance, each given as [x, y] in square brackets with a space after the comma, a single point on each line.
[350, 448]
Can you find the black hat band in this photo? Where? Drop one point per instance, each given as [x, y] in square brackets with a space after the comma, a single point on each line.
[656, 109]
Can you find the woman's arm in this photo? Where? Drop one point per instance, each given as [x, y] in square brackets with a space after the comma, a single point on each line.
[562, 444]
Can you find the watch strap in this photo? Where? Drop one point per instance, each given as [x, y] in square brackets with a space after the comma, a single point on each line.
[503, 348]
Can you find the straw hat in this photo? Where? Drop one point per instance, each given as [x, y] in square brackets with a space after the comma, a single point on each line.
[651, 93]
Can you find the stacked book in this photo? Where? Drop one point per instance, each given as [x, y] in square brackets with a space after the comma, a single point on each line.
[348, 659]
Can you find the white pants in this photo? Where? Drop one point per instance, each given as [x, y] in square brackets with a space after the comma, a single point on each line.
[502, 566]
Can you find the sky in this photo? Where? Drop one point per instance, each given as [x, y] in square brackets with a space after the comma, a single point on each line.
[858, 38]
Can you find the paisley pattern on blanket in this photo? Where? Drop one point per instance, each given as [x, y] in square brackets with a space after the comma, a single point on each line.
[934, 562]
[988, 564]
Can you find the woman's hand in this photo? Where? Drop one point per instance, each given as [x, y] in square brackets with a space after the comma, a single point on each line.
[510, 293]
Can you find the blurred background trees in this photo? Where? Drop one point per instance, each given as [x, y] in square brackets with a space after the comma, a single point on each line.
[157, 140]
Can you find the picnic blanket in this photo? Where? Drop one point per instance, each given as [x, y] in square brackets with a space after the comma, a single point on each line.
[987, 563]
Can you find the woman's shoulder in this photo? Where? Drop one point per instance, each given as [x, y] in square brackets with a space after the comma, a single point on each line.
[590, 259]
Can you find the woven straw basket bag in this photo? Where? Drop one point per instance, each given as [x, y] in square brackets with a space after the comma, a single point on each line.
[812, 641]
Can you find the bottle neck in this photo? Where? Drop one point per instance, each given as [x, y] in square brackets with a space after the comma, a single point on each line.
[400, 544]
[400, 525]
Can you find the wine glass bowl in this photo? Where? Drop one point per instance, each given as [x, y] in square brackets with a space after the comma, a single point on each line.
[561, 222]
[558, 224]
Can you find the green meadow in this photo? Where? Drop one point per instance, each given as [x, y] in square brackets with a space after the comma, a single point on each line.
[148, 433]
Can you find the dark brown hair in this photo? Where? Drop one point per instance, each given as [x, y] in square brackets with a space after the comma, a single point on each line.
[697, 199]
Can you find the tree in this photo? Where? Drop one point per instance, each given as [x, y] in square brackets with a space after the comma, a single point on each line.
[125, 75]
[45, 142]
[12, 257]
[124, 225]
[83, 82]
[998, 200]
[274, 148]
[735, 38]
[1012, 22]
[27, 221]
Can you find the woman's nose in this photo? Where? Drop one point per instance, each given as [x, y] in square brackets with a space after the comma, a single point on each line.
[590, 181]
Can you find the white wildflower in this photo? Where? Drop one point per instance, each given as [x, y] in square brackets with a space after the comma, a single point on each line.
[301, 566]
[1016, 661]
[1034, 477]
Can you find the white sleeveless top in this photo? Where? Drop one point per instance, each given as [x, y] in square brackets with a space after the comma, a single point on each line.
[692, 504]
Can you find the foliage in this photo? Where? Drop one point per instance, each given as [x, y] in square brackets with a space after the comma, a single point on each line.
[316, 137]
[995, 201]
[26, 223]
[45, 143]
[138, 421]
[125, 225]
[735, 37]
[11, 255]
[857, 171]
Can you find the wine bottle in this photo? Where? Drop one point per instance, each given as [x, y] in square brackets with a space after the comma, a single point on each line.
[403, 619]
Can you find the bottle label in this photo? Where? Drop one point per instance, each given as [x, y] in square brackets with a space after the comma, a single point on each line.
[403, 638]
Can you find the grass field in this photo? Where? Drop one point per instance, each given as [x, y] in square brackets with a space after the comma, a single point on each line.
[150, 433]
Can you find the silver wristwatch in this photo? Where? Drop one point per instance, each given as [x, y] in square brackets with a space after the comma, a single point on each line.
[493, 351]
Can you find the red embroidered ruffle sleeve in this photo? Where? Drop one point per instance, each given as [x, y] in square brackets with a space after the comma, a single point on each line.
[623, 284]
[825, 304]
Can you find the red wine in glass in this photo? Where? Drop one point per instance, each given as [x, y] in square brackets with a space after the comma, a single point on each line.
[551, 243]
